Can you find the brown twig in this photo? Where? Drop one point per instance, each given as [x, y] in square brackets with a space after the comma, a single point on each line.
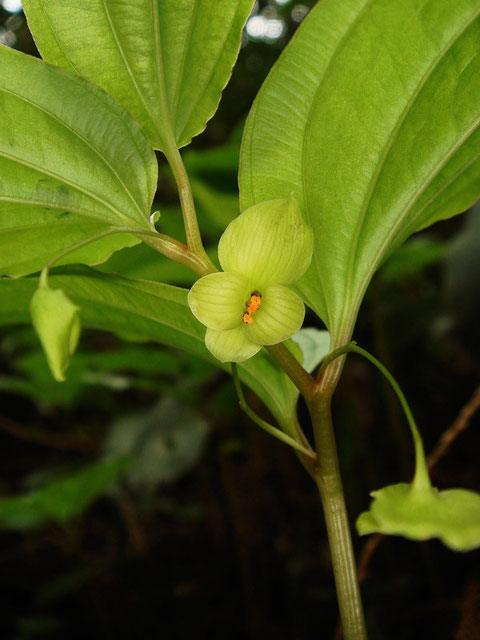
[460, 424]
[53, 440]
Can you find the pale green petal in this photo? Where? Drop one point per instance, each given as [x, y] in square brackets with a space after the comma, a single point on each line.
[280, 316]
[56, 321]
[269, 243]
[452, 515]
[230, 346]
[218, 300]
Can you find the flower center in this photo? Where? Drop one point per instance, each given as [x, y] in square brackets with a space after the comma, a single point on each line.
[252, 306]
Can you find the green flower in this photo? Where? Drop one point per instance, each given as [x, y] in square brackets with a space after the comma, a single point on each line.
[56, 321]
[248, 305]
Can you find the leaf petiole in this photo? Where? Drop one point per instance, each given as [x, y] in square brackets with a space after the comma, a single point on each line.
[421, 479]
[273, 431]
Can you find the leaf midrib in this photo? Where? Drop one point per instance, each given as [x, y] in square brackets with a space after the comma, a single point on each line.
[59, 44]
[210, 76]
[131, 75]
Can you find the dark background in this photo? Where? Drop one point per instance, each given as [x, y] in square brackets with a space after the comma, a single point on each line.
[224, 538]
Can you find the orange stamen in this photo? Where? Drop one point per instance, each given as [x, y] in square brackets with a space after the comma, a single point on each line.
[252, 306]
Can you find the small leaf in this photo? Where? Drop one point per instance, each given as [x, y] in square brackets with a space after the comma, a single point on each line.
[166, 61]
[315, 345]
[452, 515]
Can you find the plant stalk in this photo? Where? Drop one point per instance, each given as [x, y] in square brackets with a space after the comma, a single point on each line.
[192, 230]
[329, 483]
[178, 252]
[273, 431]
[326, 474]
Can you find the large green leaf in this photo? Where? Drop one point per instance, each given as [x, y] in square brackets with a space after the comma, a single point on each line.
[166, 61]
[72, 163]
[144, 310]
[371, 117]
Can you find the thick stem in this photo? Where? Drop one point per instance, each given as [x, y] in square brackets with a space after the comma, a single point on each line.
[192, 231]
[326, 474]
[329, 484]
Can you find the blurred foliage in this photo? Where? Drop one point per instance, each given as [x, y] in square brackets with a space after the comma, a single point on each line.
[61, 498]
[165, 443]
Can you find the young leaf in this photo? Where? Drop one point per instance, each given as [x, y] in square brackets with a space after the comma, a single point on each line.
[68, 148]
[371, 117]
[166, 61]
[143, 310]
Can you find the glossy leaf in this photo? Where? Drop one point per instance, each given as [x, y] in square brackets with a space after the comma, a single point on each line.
[142, 310]
[371, 117]
[68, 153]
[166, 61]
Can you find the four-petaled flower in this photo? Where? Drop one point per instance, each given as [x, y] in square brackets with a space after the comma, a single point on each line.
[248, 305]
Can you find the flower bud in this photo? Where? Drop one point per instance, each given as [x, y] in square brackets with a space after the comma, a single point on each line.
[57, 324]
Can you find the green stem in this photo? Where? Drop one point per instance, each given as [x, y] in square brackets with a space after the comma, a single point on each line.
[326, 474]
[421, 479]
[192, 231]
[273, 431]
[167, 246]
[329, 483]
